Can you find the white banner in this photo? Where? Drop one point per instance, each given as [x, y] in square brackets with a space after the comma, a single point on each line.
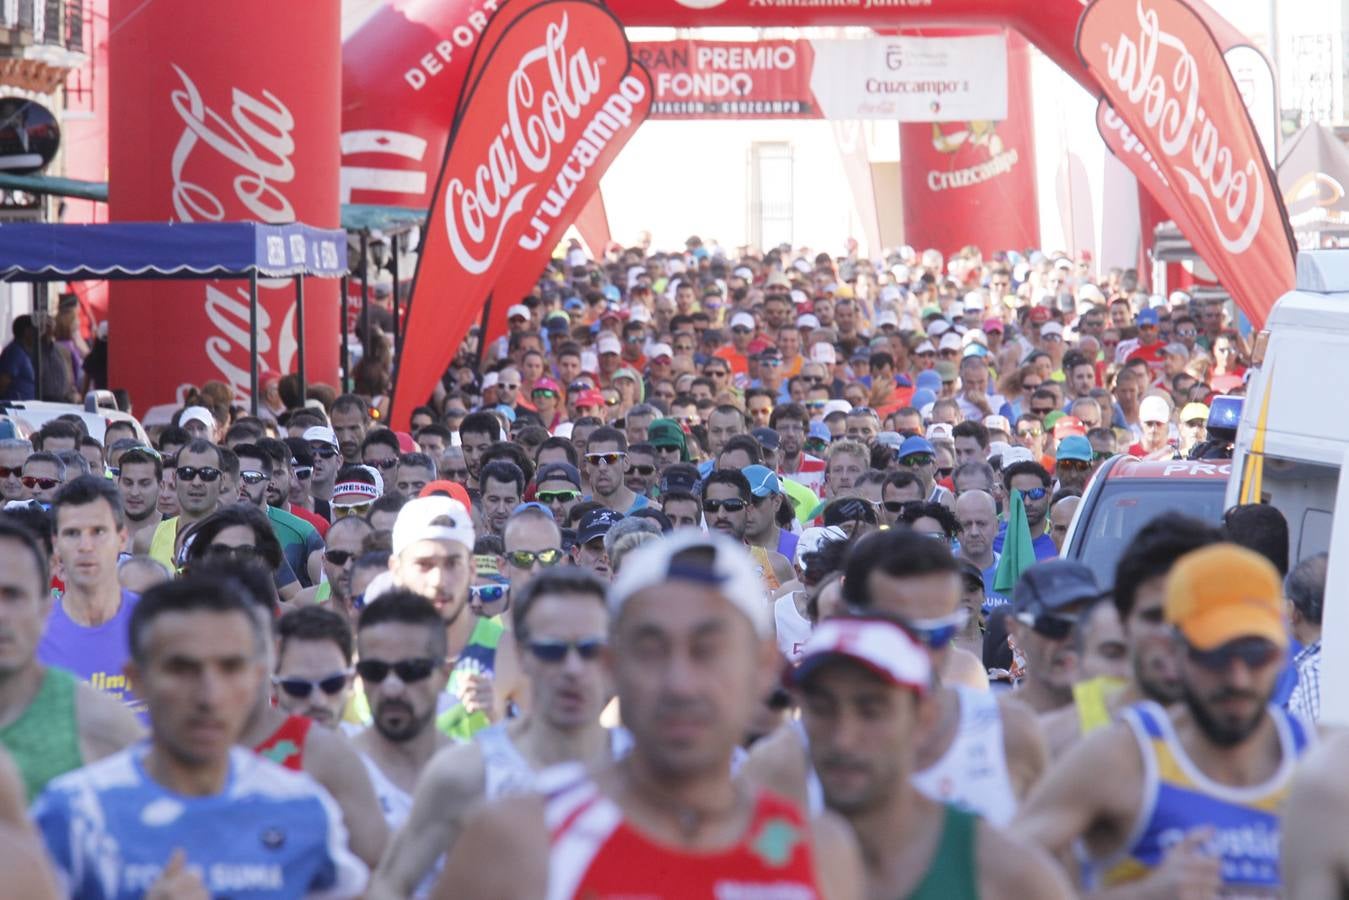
[912, 79]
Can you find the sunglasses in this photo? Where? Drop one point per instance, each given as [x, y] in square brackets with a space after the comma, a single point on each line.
[1074, 465]
[917, 459]
[945, 472]
[714, 373]
[300, 688]
[771, 362]
[608, 459]
[816, 405]
[244, 553]
[937, 633]
[1055, 628]
[524, 559]
[7, 472]
[1100, 456]
[1041, 411]
[1254, 653]
[374, 671]
[735, 504]
[558, 496]
[460, 475]
[486, 593]
[544, 393]
[339, 558]
[1034, 493]
[323, 451]
[644, 471]
[46, 484]
[208, 474]
[897, 506]
[556, 651]
[385, 464]
[252, 477]
[1030, 386]
[303, 472]
[357, 509]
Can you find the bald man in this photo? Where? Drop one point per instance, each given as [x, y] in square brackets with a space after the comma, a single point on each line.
[977, 513]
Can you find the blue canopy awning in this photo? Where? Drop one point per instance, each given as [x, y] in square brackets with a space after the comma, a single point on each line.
[150, 250]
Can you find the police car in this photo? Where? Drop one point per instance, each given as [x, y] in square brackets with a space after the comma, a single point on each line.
[1126, 493]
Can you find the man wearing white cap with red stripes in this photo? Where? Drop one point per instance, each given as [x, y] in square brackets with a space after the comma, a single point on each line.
[865, 686]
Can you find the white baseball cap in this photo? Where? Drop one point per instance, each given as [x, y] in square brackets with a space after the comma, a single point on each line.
[950, 341]
[660, 349]
[997, 423]
[812, 539]
[807, 320]
[608, 342]
[1015, 455]
[887, 317]
[639, 313]
[938, 327]
[688, 554]
[434, 518]
[939, 430]
[321, 434]
[924, 347]
[974, 301]
[491, 379]
[833, 406]
[1051, 328]
[1154, 409]
[742, 319]
[197, 414]
[518, 309]
[882, 648]
[823, 353]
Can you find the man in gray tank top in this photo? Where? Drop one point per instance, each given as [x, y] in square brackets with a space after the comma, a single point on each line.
[560, 622]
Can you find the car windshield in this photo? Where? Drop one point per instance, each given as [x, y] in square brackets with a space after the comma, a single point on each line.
[1126, 505]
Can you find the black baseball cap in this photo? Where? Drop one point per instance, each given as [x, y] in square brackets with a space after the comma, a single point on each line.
[1053, 585]
[596, 524]
[556, 470]
[767, 438]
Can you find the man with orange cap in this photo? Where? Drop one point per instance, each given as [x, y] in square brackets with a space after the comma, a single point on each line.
[1192, 803]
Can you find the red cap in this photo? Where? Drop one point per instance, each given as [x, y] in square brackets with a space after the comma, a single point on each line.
[405, 442]
[1067, 425]
[589, 398]
[1040, 315]
[453, 489]
[992, 325]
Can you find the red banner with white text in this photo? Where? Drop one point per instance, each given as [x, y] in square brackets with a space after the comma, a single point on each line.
[1163, 74]
[219, 116]
[551, 92]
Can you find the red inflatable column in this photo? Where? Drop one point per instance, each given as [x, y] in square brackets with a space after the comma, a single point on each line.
[221, 112]
[974, 182]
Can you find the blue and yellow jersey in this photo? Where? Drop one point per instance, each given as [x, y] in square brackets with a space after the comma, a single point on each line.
[1178, 798]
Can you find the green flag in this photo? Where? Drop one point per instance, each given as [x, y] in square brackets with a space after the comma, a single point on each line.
[1018, 552]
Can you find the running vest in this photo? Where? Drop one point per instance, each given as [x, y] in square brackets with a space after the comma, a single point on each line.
[1090, 698]
[96, 654]
[162, 543]
[1178, 797]
[765, 565]
[972, 774]
[506, 772]
[45, 739]
[952, 874]
[597, 855]
[286, 745]
[394, 802]
[477, 658]
[792, 627]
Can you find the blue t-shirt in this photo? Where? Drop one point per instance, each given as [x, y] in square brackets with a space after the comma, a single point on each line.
[271, 833]
[18, 365]
[1044, 544]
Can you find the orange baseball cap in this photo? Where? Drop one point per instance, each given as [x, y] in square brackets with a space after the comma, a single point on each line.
[449, 489]
[1224, 592]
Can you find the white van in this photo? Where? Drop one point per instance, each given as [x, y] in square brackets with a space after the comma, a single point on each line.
[1293, 441]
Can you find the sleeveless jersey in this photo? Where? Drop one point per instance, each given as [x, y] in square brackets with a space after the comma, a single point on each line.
[162, 543]
[477, 658]
[597, 855]
[972, 774]
[765, 566]
[506, 772]
[1178, 797]
[45, 739]
[110, 828]
[285, 747]
[394, 802]
[952, 874]
[95, 654]
[792, 627]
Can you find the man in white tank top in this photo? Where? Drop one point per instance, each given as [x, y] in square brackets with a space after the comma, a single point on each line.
[982, 751]
[560, 621]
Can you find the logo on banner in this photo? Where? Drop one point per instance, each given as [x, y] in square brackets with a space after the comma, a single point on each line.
[1164, 74]
[982, 139]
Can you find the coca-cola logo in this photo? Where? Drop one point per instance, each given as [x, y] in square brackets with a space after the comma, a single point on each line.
[1191, 130]
[537, 118]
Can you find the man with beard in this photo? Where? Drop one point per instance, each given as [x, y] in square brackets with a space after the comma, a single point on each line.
[865, 686]
[400, 644]
[327, 457]
[345, 540]
[283, 474]
[1032, 481]
[726, 505]
[606, 460]
[313, 665]
[1191, 803]
[138, 475]
[561, 619]
[433, 556]
[792, 423]
[351, 419]
[1140, 585]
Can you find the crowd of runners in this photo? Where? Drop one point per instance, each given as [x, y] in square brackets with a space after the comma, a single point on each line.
[723, 575]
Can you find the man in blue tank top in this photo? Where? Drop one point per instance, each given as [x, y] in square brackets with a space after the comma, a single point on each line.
[188, 812]
[1187, 801]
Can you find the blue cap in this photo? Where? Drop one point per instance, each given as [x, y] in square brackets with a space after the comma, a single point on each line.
[611, 291]
[929, 379]
[573, 303]
[532, 505]
[1147, 317]
[820, 431]
[767, 437]
[1074, 446]
[762, 480]
[557, 471]
[923, 397]
[915, 444]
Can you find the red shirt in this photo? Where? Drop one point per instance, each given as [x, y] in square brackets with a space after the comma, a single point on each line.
[320, 524]
[286, 745]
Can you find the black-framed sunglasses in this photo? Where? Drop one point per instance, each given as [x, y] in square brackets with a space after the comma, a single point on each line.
[733, 505]
[552, 651]
[301, 688]
[339, 558]
[385, 464]
[1254, 653]
[324, 451]
[244, 553]
[253, 477]
[524, 559]
[1053, 627]
[409, 671]
[207, 474]
[644, 470]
